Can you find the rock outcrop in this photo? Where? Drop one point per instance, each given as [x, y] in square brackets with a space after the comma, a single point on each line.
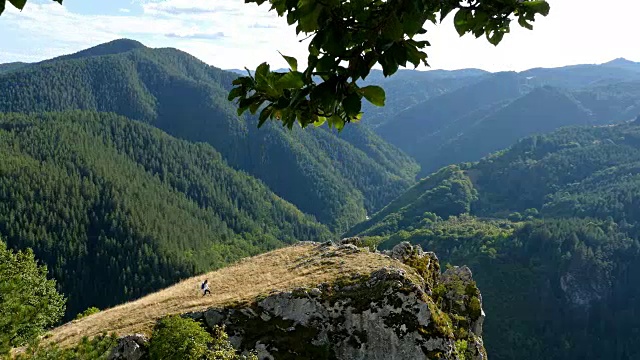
[131, 347]
[394, 313]
[387, 314]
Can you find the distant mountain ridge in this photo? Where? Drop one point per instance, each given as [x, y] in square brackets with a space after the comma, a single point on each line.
[494, 110]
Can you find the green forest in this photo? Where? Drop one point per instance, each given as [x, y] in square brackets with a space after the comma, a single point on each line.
[339, 179]
[126, 169]
[117, 209]
[550, 227]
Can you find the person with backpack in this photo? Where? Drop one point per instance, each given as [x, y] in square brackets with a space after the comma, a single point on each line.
[205, 288]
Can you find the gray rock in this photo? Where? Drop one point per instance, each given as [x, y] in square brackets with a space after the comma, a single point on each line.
[461, 272]
[327, 244]
[131, 347]
[348, 248]
[382, 316]
[405, 250]
[304, 243]
[356, 240]
[580, 290]
[212, 317]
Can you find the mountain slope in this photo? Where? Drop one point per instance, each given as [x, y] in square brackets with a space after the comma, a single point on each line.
[540, 111]
[623, 64]
[319, 301]
[552, 237]
[411, 125]
[585, 171]
[187, 98]
[4, 68]
[578, 76]
[469, 122]
[117, 209]
[409, 87]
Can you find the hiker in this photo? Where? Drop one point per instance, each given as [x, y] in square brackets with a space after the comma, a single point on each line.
[205, 288]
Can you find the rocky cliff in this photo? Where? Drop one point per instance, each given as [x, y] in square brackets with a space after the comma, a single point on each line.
[405, 310]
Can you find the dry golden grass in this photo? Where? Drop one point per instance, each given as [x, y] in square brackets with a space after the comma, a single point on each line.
[291, 267]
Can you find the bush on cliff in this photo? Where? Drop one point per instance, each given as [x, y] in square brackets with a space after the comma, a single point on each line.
[177, 338]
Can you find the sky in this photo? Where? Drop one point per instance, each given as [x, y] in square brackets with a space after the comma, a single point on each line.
[231, 34]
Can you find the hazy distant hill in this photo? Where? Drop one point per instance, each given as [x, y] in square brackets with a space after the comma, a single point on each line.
[488, 114]
[4, 68]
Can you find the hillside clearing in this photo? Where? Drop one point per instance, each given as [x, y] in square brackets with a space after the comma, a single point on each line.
[303, 265]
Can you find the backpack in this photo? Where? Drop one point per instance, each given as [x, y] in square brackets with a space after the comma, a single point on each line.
[202, 286]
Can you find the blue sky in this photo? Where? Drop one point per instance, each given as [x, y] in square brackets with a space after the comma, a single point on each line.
[232, 34]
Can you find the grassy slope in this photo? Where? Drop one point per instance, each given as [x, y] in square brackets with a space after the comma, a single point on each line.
[283, 269]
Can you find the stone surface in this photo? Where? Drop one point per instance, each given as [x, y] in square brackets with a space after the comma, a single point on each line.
[356, 240]
[131, 347]
[404, 250]
[383, 315]
[389, 314]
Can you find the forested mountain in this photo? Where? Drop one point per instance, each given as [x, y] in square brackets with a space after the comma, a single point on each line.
[494, 111]
[117, 208]
[409, 87]
[552, 237]
[4, 68]
[335, 180]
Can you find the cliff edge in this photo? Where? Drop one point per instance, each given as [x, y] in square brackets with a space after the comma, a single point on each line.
[320, 301]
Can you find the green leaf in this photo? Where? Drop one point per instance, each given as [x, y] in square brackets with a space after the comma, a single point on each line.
[18, 3]
[337, 122]
[326, 63]
[374, 94]
[234, 93]
[321, 120]
[523, 22]
[262, 71]
[293, 62]
[495, 37]
[352, 105]
[540, 7]
[393, 28]
[324, 96]
[2, 3]
[291, 80]
[264, 115]
[309, 21]
[461, 21]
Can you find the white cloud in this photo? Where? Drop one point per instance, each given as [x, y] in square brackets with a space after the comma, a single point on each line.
[225, 33]
[123, 10]
[232, 34]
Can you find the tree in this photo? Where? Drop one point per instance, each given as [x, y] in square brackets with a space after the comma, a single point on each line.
[29, 303]
[348, 38]
[179, 338]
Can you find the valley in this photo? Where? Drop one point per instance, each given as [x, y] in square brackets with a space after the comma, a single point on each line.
[127, 170]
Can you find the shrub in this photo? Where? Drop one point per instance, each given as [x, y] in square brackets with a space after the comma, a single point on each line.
[177, 338]
[97, 348]
[90, 311]
[29, 302]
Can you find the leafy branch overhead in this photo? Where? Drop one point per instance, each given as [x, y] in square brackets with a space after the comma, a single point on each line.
[348, 38]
